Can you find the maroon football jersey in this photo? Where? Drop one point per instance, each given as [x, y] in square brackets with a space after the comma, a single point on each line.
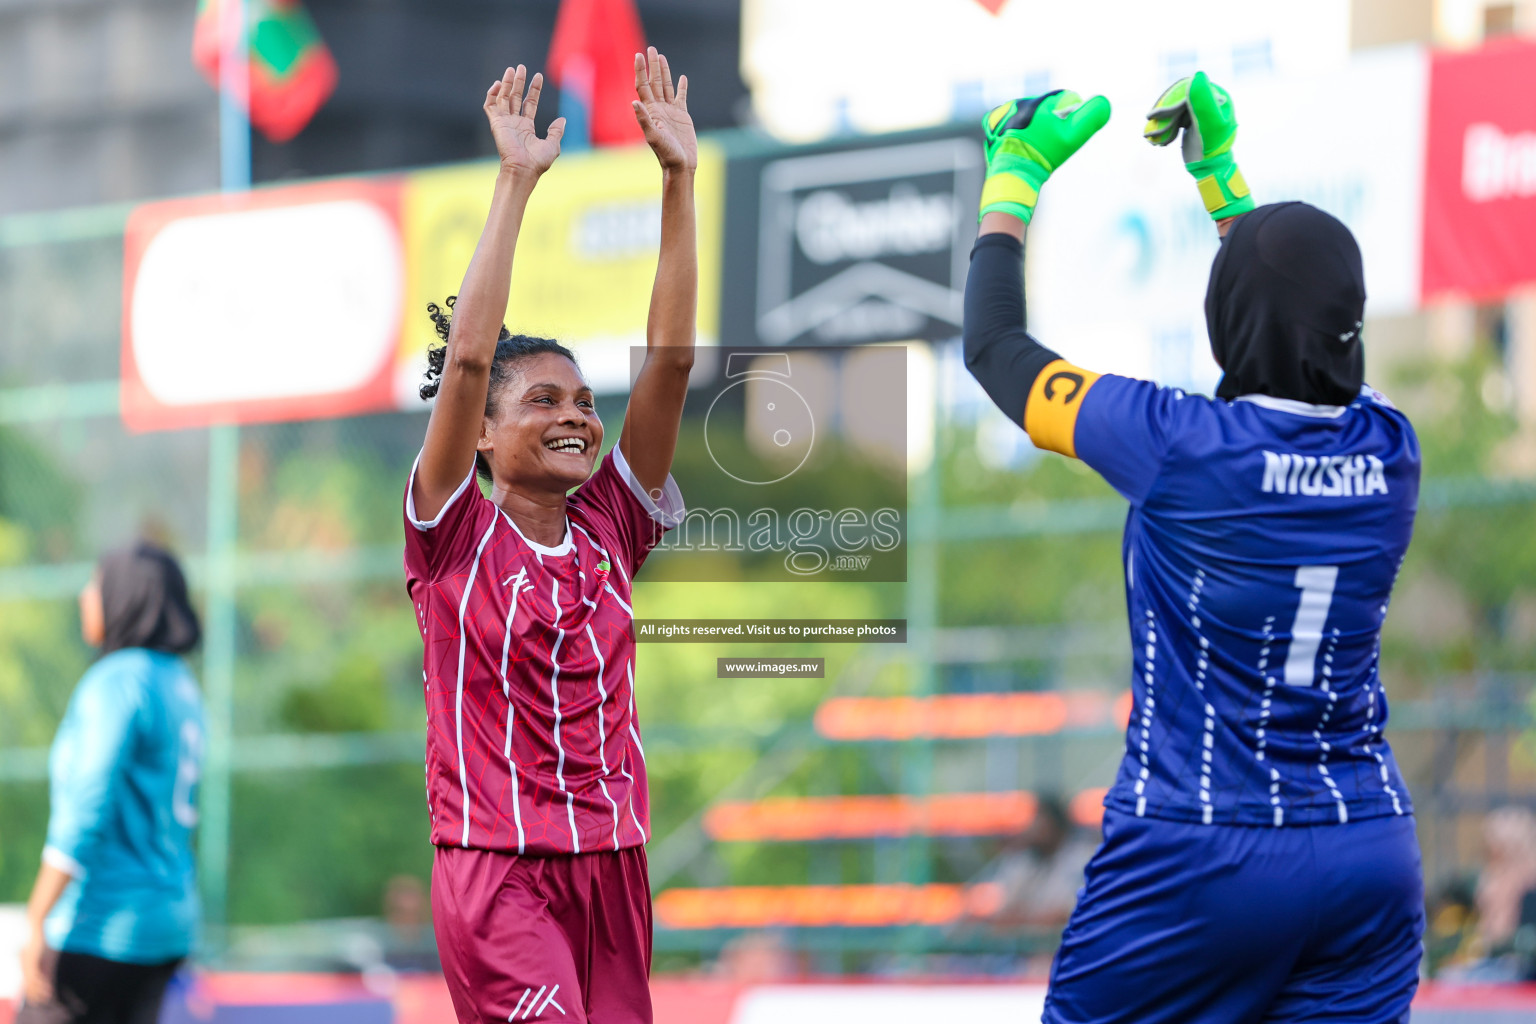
[529, 667]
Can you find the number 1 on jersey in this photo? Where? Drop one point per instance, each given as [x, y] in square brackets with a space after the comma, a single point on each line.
[1316, 583]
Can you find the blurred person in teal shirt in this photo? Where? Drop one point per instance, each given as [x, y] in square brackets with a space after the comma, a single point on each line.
[115, 909]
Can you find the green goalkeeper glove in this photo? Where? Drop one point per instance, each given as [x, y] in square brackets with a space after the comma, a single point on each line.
[1204, 111]
[1029, 138]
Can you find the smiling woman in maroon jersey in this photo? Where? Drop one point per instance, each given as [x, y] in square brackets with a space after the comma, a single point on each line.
[535, 773]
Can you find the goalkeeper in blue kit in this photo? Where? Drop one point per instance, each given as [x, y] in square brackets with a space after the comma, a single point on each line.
[1259, 860]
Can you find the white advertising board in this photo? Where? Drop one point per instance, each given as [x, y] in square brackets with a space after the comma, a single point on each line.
[888, 1004]
[900, 64]
[1121, 249]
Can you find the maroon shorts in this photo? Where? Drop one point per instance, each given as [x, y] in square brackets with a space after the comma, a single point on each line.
[544, 938]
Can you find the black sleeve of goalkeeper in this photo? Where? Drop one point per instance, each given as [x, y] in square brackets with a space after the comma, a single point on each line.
[1000, 355]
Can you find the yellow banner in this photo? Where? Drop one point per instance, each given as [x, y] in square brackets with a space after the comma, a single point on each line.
[586, 256]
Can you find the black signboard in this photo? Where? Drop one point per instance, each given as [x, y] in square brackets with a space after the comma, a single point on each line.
[862, 241]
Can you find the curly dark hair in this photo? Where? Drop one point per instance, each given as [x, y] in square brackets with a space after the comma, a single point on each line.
[511, 349]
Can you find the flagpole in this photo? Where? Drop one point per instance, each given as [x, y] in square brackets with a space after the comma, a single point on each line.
[219, 652]
[234, 82]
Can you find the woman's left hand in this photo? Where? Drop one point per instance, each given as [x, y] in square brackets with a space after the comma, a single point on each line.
[663, 113]
[36, 986]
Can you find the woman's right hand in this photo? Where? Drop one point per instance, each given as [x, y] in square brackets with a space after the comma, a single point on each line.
[36, 986]
[511, 114]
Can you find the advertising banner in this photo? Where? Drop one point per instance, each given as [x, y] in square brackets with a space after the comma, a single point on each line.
[864, 242]
[281, 304]
[586, 255]
[309, 301]
[1120, 249]
[1480, 188]
[917, 63]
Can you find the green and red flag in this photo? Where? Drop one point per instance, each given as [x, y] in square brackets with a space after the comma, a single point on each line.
[292, 70]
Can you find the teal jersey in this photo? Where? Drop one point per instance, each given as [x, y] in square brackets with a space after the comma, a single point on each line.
[124, 771]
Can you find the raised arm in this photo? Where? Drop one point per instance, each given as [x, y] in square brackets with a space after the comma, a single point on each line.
[655, 411]
[1000, 354]
[448, 455]
[1027, 139]
[1204, 112]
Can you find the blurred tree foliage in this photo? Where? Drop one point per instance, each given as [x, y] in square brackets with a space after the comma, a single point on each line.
[41, 653]
[1466, 598]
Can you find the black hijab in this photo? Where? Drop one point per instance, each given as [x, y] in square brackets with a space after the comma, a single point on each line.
[144, 602]
[1285, 306]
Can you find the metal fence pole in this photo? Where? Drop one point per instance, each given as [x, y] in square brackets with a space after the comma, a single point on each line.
[223, 517]
[922, 622]
[219, 673]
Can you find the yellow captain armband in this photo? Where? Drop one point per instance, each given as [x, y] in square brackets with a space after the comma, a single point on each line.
[1050, 415]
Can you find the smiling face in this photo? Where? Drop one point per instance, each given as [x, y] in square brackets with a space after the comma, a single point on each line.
[543, 433]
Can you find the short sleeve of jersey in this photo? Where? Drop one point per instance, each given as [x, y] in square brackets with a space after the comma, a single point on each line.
[1120, 427]
[433, 547]
[633, 519]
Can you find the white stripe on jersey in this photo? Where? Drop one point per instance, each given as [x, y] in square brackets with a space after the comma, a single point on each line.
[1202, 665]
[554, 689]
[593, 541]
[622, 603]
[506, 689]
[630, 671]
[602, 736]
[603, 785]
[1148, 708]
[603, 696]
[1265, 705]
[581, 588]
[1323, 746]
[458, 699]
[634, 733]
[1373, 728]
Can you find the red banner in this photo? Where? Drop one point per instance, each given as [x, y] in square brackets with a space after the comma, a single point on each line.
[280, 304]
[1480, 172]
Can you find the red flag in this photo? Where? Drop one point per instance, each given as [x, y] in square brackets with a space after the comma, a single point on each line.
[592, 60]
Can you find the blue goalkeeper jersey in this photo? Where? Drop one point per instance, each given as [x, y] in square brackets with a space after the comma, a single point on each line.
[124, 771]
[1260, 551]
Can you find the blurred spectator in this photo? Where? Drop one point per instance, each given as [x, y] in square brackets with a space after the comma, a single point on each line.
[758, 957]
[409, 944]
[1034, 881]
[1509, 841]
[1494, 938]
[114, 910]
[1451, 934]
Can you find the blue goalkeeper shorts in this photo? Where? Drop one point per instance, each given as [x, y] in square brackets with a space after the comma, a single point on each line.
[1216, 924]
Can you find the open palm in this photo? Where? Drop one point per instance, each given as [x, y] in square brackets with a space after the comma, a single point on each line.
[511, 115]
[663, 112]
